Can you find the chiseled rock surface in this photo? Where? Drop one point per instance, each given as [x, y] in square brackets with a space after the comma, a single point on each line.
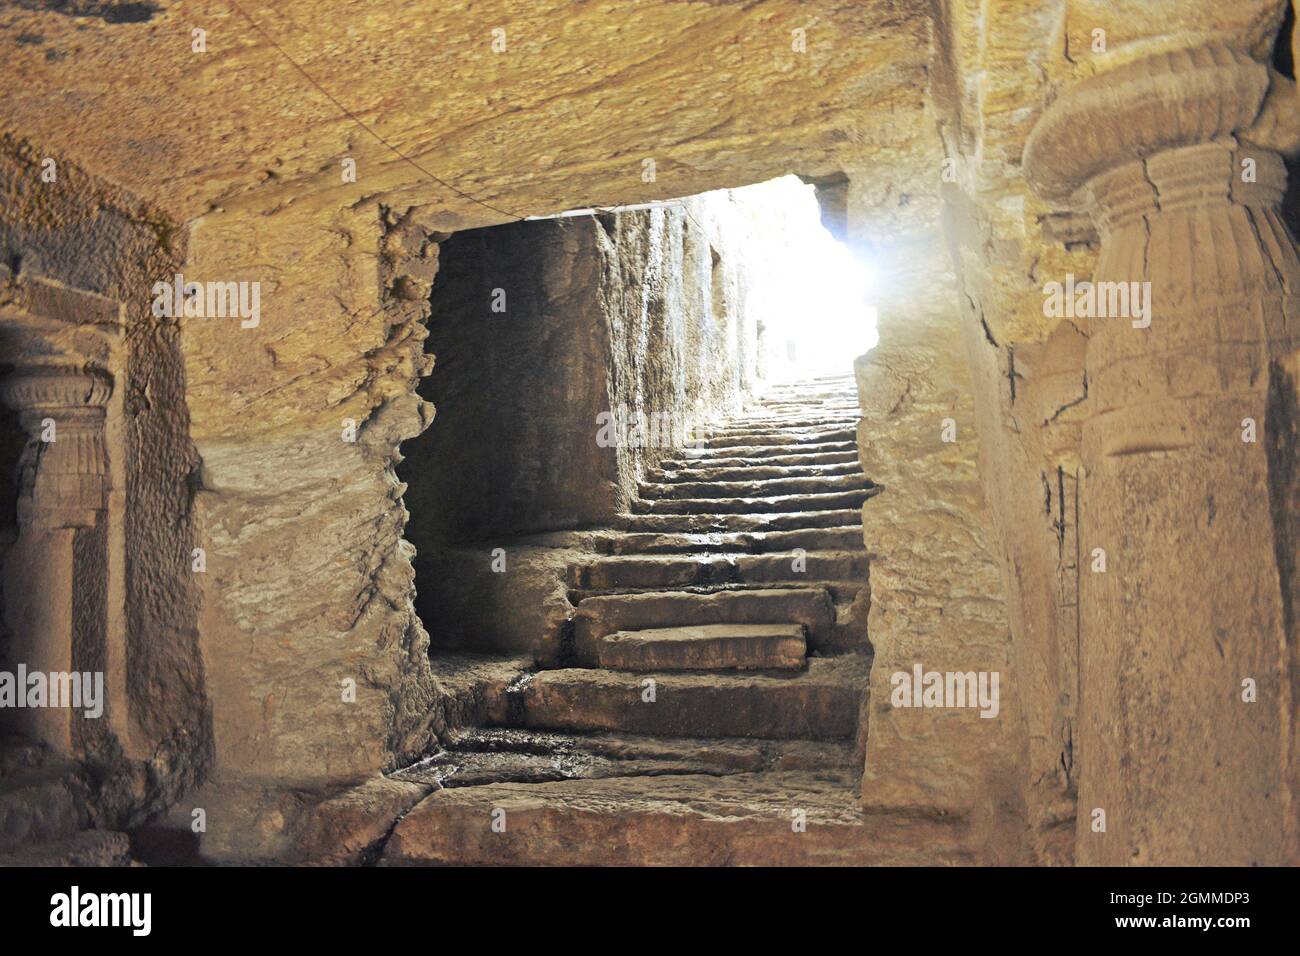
[514, 755]
[603, 615]
[589, 89]
[351, 828]
[821, 702]
[746, 819]
[710, 647]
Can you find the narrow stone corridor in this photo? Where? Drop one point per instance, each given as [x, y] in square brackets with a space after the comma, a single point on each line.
[719, 656]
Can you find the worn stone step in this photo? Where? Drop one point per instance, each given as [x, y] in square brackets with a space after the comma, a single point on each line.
[780, 436]
[819, 703]
[706, 647]
[807, 401]
[810, 397]
[481, 755]
[785, 422]
[761, 488]
[709, 455]
[828, 403]
[762, 426]
[750, 473]
[847, 538]
[815, 415]
[696, 523]
[785, 504]
[695, 819]
[804, 459]
[844, 384]
[598, 616]
[841, 593]
[669, 570]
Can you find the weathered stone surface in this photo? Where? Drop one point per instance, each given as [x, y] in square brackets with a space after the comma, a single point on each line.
[89, 848]
[821, 702]
[350, 828]
[840, 539]
[1032, 392]
[511, 601]
[845, 453]
[508, 156]
[659, 571]
[694, 820]
[505, 755]
[699, 523]
[40, 805]
[771, 487]
[780, 504]
[707, 647]
[79, 258]
[599, 616]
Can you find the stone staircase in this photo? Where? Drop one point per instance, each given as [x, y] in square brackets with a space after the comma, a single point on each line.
[713, 684]
[685, 631]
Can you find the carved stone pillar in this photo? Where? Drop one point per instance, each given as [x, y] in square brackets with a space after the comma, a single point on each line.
[62, 574]
[1190, 613]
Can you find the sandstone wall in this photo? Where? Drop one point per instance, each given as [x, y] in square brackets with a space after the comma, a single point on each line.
[89, 238]
[314, 655]
[937, 597]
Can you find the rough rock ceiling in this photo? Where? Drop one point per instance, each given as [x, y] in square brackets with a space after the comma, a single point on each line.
[584, 92]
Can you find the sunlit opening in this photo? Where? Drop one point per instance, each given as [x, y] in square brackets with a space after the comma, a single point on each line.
[812, 294]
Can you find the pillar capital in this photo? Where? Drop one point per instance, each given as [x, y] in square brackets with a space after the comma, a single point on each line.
[63, 472]
[1183, 98]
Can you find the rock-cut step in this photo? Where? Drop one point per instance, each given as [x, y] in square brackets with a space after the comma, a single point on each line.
[687, 461]
[822, 702]
[807, 452]
[598, 617]
[688, 570]
[758, 488]
[847, 538]
[750, 473]
[706, 647]
[698, 523]
[781, 436]
[691, 819]
[779, 503]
